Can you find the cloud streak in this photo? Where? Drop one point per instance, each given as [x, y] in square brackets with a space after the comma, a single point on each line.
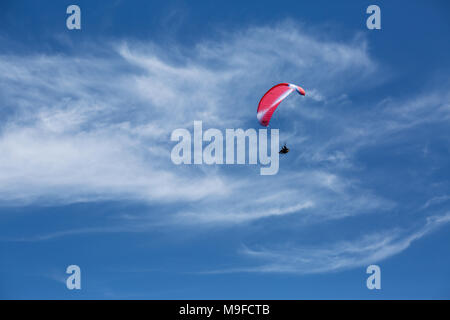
[344, 255]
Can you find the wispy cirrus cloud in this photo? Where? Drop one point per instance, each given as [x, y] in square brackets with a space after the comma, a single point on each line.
[343, 255]
[74, 134]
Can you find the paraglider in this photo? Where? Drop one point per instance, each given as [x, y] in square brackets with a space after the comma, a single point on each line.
[271, 100]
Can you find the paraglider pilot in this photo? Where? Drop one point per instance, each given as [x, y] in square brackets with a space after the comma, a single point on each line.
[284, 150]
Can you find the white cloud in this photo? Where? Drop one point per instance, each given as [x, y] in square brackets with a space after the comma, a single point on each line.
[339, 256]
[88, 128]
[436, 200]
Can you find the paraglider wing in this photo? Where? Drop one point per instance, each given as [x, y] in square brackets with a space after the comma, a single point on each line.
[272, 99]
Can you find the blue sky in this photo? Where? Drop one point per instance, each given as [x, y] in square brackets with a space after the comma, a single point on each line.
[86, 176]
